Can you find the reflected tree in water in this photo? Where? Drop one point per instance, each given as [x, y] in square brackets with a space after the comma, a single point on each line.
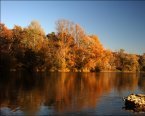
[66, 92]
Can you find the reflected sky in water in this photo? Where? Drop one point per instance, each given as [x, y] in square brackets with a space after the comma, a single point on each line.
[67, 93]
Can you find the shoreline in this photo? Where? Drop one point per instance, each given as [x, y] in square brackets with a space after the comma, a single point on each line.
[78, 71]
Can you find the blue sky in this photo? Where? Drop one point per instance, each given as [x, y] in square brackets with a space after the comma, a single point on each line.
[119, 24]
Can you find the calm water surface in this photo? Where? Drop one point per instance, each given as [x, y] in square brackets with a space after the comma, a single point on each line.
[23, 93]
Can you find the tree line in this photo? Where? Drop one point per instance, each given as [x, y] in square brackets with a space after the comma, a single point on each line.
[67, 49]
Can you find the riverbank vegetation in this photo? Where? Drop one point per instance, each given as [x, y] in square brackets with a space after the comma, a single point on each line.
[67, 49]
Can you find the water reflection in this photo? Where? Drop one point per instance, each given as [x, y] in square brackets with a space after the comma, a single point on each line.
[62, 92]
[141, 82]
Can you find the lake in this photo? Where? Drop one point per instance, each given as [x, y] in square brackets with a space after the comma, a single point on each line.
[24, 93]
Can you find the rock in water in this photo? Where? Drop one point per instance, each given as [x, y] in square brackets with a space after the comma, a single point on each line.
[135, 102]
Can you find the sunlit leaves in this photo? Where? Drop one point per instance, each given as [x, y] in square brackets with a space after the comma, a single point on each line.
[5, 32]
[67, 49]
[126, 62]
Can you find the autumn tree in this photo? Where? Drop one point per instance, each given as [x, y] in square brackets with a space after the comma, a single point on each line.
[64, 43]
[28, 46]
[6, 54]
[142, 62]
[106, 61]
[35, 25]
[34, 36]
[58, 50]
[67, 49]
[6, 38]
[119, 58]
[96, 51]
[126, 62]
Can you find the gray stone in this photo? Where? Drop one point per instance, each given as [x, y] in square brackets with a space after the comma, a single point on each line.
[135, 102]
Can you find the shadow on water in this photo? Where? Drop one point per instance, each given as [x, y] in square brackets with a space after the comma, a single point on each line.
[141, 82]
[62, 92]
